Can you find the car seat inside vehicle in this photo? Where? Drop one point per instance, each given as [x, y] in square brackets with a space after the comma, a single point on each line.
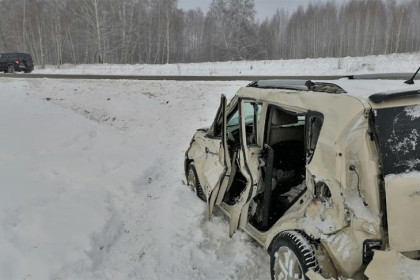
[285, 135]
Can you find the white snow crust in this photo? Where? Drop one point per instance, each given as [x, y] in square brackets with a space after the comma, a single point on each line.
[342, 241]
[413, 112]
[413, 174]
[325, 224]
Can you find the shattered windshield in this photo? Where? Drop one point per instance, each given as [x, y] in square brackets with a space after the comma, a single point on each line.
[399, 138]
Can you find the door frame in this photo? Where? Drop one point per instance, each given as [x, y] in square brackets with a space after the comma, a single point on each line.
[236, 211]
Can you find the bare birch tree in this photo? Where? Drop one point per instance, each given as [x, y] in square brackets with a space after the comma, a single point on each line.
[157, 31]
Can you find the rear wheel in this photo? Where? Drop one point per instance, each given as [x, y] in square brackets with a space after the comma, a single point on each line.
[292, 257]
[194, 183]
[10, 69]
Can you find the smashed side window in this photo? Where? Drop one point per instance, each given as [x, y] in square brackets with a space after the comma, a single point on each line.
[313, 130]
[399, 138]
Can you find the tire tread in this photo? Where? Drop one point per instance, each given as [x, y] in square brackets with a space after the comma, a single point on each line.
[299, 244]
[198, 188]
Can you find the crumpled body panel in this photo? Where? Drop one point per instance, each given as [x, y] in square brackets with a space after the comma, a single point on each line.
[392, 265]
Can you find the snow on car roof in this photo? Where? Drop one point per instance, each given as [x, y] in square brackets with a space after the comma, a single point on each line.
[360, 88]
[366, 88]
[374, 90]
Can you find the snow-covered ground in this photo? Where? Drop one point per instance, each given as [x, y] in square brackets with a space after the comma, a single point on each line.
[92, 184]
[395, 63]
[91, 172]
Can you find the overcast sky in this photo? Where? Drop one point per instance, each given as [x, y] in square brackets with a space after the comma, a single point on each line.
[264, 8]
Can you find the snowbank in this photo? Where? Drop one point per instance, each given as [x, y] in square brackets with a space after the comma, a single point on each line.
[395, 63]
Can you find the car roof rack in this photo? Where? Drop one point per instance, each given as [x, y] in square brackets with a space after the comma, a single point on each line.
[299, 85]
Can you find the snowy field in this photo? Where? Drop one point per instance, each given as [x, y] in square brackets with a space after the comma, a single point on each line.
[92, 184]
[395, 63]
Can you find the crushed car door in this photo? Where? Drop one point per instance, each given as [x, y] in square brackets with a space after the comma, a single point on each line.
[247, 162]
[215, 165]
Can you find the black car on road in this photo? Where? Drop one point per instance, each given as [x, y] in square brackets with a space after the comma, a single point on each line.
[16, 62]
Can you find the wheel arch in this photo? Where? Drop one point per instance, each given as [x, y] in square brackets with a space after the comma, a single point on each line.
[325, 265]
[301, 242]
[13, 67]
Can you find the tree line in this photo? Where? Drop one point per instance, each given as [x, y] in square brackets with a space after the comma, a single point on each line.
[157, 31]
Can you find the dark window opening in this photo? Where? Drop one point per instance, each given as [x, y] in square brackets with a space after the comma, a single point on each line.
[235, 189]
[314, 123]
[285, 137]
[252, 114]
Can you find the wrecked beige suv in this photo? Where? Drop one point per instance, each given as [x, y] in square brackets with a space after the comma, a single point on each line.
[324, 174]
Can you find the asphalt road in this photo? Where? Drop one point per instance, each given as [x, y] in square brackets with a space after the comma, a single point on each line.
[399, 76]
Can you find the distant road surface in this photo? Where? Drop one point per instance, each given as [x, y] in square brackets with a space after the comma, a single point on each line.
[399, 76]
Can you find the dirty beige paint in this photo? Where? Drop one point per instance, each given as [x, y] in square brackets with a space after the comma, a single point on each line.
[392, 265]
[403, 206]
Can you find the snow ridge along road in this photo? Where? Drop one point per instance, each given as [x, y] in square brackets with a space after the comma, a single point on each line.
[397, 76]
[163, 78]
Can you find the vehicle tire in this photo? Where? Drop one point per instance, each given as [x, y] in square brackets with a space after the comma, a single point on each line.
[194, 183]
[291, 257]
[10, 69]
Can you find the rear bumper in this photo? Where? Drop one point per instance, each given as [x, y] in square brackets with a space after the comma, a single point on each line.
[23, 67]
[392, 265]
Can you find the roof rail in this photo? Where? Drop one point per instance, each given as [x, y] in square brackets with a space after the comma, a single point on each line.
[298, 85]
[386, 96]
[385, 76]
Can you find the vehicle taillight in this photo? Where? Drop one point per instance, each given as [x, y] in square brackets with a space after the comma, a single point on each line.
[16, 61]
